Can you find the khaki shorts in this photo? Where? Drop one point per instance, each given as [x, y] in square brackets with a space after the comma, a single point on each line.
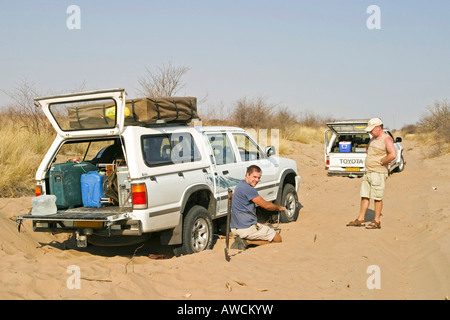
[255, 232]
[373, 185]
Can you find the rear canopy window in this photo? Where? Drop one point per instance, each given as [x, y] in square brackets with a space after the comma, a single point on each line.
[82, 115]
[166, 149]
[98, 152]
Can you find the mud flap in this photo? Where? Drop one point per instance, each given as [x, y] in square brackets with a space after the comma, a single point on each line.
[173, 236]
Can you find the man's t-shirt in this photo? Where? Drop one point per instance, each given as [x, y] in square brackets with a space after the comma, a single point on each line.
[243, 209]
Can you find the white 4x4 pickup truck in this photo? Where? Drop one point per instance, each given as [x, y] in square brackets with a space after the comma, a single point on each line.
[346, 145]
[117, 183]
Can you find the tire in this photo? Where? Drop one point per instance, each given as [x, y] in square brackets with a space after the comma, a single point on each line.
[197, 232]
[289, 199]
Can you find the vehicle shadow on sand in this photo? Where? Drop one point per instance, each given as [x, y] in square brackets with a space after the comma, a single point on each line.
[150, 248]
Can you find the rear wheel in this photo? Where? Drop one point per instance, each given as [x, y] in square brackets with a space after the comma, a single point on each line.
[197, 232]
[289, 199]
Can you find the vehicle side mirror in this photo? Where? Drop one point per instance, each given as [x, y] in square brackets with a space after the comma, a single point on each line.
[270, 151]
[398, 139]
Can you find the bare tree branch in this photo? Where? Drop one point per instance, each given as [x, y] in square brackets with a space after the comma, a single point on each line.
[23, 110]
[165, 81]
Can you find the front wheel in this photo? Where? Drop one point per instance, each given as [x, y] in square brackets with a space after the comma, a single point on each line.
[289, 199]
[401, 165]
[197, 232]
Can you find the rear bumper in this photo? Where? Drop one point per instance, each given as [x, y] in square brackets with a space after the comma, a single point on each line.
[346, 173]
[109, 221]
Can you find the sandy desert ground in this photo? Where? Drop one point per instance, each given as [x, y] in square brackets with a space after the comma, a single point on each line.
[319, 258]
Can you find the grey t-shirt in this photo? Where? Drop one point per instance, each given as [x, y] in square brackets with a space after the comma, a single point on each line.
[243, 209]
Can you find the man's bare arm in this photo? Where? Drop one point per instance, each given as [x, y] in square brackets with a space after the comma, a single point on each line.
[267, 205]
[391, 152]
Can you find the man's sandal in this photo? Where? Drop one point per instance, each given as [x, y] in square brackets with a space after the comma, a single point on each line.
[374, 225]
[356, 223]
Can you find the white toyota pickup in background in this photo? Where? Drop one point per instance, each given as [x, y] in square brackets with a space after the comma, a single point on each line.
[346, 145]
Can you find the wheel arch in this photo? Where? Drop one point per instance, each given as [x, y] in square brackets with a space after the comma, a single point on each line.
[199, 194]
[288, 176]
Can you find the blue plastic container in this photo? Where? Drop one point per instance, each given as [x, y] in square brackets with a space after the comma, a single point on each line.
[92, 189]
[345, 146]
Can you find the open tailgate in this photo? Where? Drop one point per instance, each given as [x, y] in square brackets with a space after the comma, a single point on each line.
[348, 126]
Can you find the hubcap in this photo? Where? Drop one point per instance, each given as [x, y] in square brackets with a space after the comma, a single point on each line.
[200, 234]
[290, 204]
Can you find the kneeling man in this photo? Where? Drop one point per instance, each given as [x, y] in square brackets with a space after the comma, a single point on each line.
[244, 222]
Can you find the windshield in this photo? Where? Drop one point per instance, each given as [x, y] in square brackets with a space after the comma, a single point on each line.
[87, 114]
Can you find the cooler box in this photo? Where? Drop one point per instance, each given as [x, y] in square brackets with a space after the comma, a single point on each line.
[65, 183]
[92, 189]
[345, 146]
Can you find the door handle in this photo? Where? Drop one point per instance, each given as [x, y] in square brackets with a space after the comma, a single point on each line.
[225, 172]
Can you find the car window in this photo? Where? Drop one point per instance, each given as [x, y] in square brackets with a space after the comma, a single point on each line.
[248, 150]
[222, 148]
[166, 149]
[84, 115]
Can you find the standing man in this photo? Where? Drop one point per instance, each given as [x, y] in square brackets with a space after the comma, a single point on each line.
[244, 224]
[380, 152]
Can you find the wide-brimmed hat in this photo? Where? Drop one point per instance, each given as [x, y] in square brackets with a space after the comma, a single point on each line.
[373, 123]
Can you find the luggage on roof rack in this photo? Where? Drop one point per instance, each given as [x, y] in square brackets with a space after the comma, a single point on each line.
[161, 110]
[141, 112]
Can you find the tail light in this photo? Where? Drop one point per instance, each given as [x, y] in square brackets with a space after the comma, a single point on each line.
[38, 190]
[139, 194]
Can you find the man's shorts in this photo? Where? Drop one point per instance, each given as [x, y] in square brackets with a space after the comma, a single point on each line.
[373, 185]
[255, 232]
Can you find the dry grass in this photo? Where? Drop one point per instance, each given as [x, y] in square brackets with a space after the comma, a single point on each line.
[304, 134]
[437, 146]
[20, 155]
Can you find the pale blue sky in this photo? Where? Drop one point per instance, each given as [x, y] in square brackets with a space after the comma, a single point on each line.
[305, 55]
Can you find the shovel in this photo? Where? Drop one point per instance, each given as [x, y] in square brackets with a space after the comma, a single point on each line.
[227, 239]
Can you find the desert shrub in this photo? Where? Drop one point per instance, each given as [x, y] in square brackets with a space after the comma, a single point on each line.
[257, 113]
[409, 129]
[23, 111]
[437, 119]
[434, 128]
